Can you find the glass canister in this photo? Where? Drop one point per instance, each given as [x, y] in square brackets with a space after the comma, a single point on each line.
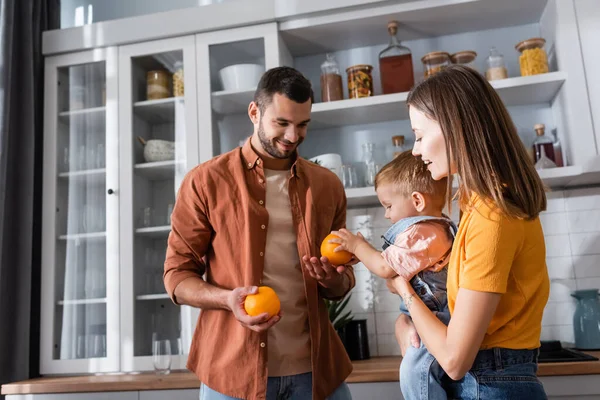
[434, 62]
[395, 64]
[586, 320]
[465, 57]
[360, 81]
[398, 145]
[331, 80]
[157, 85]
[370, 165]
[496, 68]
[178, 79]
[533, 59]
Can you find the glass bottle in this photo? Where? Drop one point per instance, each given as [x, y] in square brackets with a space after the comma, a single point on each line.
[331, 80]
[496, 68]
[398, 145]
[369, 160]
[543, 141]
[395, 64]
[558, 150]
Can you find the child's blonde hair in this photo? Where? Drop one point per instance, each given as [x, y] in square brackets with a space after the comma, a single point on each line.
[409, 174]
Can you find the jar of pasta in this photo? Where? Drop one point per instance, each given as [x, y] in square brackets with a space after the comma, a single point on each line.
[360, 81]
[178, 79]
[157, 85]
[434, 62]
[533, 59]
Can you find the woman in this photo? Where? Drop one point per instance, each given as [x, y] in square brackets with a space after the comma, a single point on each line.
[497, 279]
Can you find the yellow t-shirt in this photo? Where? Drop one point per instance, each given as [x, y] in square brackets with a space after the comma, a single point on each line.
[498, 254]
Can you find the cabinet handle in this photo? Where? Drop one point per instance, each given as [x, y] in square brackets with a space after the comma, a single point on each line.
[110, 191]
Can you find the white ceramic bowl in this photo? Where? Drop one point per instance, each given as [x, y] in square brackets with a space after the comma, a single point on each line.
[159, 150]
[241, 76]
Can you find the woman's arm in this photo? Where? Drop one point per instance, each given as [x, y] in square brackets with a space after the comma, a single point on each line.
[456, 345]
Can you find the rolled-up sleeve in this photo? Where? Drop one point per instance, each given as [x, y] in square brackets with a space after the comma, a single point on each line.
[190, 234]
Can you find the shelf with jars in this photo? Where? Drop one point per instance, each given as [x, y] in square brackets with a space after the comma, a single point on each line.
[518, 91]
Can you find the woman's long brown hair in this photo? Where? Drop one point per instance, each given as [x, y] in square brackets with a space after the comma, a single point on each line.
[482, 140]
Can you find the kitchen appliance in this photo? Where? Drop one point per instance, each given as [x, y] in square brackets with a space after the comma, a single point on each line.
[552, 351]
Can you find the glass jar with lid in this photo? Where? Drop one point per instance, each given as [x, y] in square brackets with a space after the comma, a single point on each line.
[360, 81]
[465, 57]
[178, 79]
[395, 64]
[496, 68]
[398, 145]
[331, 80]
[533, 59]
[157, 85]
[434, 62]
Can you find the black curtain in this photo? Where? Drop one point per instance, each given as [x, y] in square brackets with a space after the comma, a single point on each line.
[21, 134]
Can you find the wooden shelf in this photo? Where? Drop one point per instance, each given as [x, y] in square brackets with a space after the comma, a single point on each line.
[95, 116]
[154, 231]
[159, 296]
[84, 236]
[157, 111]
[554, 178]
[228, 102]
[78, 302]
[90, 176]
[157, 171]
[364, 26]
[517, 91]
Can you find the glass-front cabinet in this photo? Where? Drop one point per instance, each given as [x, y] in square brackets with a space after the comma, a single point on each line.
[80, 308]
[159, 144]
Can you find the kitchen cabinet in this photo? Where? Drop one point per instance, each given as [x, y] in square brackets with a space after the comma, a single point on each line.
[107, 203]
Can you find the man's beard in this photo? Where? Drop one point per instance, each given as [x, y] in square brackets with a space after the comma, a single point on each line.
[270, 147]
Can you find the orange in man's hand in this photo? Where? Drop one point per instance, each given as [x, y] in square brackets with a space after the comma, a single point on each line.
[335, 258]
[265, 301]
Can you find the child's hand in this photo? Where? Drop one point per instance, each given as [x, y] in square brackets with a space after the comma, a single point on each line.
[347, 240]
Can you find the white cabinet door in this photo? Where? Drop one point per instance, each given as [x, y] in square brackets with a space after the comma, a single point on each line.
[230, 64]
[80, 247]
[159, 145]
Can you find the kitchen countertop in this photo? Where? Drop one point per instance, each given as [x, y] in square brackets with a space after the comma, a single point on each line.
[377, 369]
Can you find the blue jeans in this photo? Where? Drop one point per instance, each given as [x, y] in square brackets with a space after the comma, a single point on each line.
[294, 387]
[499, 374]
[421, 375]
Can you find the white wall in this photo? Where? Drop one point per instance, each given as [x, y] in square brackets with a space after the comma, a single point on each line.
[572, 230]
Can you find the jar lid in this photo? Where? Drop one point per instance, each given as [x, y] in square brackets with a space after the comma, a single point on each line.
[435, 57]
[530, 44]
[398, 140]
[463, 57]
[359, 67]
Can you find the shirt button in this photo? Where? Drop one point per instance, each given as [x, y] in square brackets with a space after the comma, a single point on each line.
[258, 162]
[262, 254]
[249, 164]
[261, 202]
[260, 181]
[263, 344]
[262, 227]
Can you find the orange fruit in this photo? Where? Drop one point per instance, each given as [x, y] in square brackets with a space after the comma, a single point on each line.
[265, 301]
[335, 258]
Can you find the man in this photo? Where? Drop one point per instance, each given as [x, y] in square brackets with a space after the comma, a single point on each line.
[246, 218]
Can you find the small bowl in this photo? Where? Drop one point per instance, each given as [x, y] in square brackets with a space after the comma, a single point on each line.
[159, 150]
[241, 76]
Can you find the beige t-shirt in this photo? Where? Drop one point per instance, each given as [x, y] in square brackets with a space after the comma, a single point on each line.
[289, 339]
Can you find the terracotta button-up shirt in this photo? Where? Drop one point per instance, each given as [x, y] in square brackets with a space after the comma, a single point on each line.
[219, 226]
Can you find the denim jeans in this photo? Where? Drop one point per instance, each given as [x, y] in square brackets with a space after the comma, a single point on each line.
[294, 387]
[499, 374]
[420, 375]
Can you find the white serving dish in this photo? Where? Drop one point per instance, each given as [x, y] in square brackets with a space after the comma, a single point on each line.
[241, 76]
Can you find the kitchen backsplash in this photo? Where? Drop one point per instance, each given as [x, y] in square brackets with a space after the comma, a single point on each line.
[572, 230]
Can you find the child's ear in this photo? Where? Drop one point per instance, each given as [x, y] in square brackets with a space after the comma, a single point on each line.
[418, 201]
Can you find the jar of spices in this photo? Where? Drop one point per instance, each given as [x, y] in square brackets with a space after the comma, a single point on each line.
[533, 59]
[331, 80]
[157, 85]
[496, 69]
[360, 81]
[398, 145]
[178, 79]
[434, 62]
[466, 58]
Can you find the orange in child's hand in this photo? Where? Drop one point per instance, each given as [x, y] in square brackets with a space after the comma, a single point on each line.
[265, 301]
[335, 258]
